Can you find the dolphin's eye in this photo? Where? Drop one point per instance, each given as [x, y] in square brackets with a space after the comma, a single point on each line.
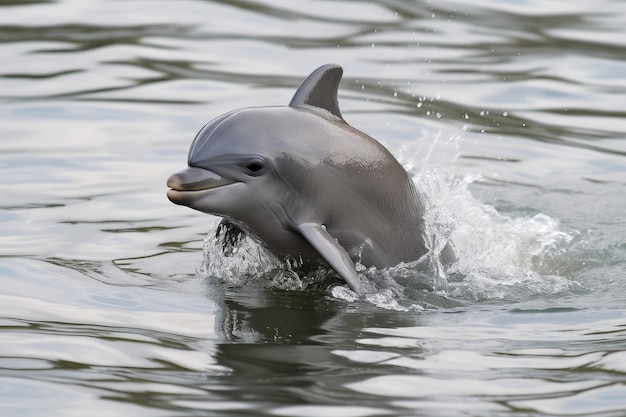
[255, 167]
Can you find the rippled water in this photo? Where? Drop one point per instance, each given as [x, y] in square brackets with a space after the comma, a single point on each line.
[509, 115]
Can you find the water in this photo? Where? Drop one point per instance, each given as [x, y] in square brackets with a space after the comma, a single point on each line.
[509, 115]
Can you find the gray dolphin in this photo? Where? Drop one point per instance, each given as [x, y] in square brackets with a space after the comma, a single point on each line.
[305, 183]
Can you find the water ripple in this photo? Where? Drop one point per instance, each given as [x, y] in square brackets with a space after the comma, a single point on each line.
[510, 114]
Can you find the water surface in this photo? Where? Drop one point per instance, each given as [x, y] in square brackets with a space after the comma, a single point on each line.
[510, 117]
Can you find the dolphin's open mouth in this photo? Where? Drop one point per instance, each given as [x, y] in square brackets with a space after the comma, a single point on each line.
[194, 180]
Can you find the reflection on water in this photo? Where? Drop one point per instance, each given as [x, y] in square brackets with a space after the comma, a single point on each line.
[532, 339]
[510, 117]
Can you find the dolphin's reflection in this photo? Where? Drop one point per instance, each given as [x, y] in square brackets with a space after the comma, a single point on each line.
[267, 331]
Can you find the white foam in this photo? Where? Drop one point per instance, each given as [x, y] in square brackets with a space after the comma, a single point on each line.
[499, 257]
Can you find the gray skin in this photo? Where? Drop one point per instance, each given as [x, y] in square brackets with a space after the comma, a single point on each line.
[305, 183]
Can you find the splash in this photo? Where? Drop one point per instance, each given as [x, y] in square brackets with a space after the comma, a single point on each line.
[499, 257]
[239, 260]
[236, 259]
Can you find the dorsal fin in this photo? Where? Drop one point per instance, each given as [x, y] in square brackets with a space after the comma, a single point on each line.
[319, 90]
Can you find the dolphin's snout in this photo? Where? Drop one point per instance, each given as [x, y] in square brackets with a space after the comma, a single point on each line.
[195, 179]
[187, 185]
[175, 182]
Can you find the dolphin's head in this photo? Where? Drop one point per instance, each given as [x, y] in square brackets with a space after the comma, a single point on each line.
[232, 168]
[233, 161]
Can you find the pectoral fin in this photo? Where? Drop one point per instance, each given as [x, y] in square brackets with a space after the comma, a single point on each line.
[332, 252]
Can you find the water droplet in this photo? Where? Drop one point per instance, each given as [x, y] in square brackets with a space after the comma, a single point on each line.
[466, 116]
[419, 104]
[505, 114]
[395, 94]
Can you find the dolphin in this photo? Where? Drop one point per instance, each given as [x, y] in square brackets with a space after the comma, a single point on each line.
[304, 183]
